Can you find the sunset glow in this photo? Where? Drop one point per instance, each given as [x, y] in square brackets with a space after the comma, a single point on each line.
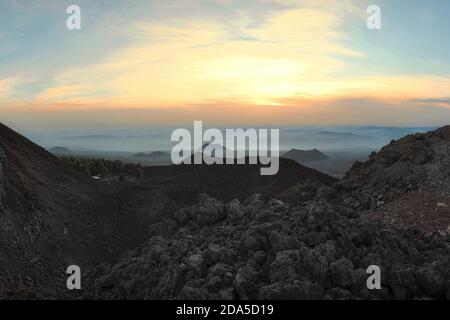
[203, 57]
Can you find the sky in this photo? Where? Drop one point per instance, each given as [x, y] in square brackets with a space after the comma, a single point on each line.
[226, 62]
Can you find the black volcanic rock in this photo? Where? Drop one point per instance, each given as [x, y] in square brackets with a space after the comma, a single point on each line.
[39, 197]
[227, 182]
[318, 249]
[406, 182]
[302, 235]
[305, 155]
[416, 162]
[52, 216]
[45, 217]
[258, 250]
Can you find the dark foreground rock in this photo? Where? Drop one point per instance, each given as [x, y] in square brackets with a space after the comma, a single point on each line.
[268, 250]
[416, 163]
[406, 183]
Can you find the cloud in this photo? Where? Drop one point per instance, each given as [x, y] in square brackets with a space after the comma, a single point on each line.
[194, 61]
[294, 52]
[7, 87]
[433, 101]
[361, 111]
[291, 61]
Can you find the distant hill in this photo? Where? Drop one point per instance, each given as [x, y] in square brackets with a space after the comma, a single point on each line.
[340, 137]
[58, 149]
[236, 181]
[153, 156]
[305, 155]
[95, 136]
[330, 140]
[339, 134]
[140, 155]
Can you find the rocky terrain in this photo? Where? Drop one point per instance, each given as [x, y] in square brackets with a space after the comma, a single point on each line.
[416, 162]
[408, 181]
[270, 250]
[225, 232]
[35, 204]
[52, 214]
[319, 249]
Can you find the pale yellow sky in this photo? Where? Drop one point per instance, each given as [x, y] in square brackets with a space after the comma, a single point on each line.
[280, 66]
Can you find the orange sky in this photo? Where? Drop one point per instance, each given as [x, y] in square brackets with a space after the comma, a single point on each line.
[299, 62]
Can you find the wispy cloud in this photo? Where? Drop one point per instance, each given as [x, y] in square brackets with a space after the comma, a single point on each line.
[195, 61]
[283, 59]
[433, 101]
[7, 86]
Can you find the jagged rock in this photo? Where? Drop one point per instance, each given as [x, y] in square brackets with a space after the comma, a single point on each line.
[339, 294]
[285, 266]
[209, 210]
[342, 272]
[214, 283]
[295, 290]
[193, 293]
[245, 282]
[430, 279]
[255, 201]
[414, 162]
[2, 177]
[219, 269]
[276, 205]
[212, 255]
[259, 257]
[234, 208]
[252, 243]
[275, 259]
[196, 263]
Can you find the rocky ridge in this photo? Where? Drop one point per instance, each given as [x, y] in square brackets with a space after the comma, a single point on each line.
[416, 163]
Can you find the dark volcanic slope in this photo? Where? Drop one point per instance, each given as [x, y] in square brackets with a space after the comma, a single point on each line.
[407, 181]
[166, 189]
[239, 181]
[44, 218]
[415, 162]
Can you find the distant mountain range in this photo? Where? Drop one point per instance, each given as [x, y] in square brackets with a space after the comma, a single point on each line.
[132, 140]
[59, 150]
[305, 155]
[153, 156]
